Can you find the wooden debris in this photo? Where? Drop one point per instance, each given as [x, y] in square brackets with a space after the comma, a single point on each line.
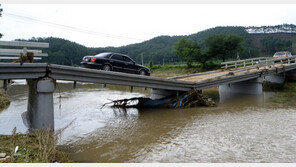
[27, 58]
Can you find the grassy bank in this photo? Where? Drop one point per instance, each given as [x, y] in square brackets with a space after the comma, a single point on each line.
[4, 99]
[38, 146]
[286, 93]
[284, 87]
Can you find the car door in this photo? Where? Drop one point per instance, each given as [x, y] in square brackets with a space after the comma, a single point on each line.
[129, 65]
[116, 60]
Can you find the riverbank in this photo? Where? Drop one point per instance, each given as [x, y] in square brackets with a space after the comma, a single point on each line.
[287, 90]
[37, 146]
[4, 101]
[4, 98]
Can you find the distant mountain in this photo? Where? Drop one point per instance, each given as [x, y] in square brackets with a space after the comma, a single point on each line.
[257, 41]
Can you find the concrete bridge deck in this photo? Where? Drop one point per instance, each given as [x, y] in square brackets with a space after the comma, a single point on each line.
[223, 74]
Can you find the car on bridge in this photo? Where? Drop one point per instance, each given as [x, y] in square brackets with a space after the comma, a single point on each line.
[109, 61]
[282, 54]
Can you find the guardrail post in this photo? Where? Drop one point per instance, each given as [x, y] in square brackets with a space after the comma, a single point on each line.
[252, 62]
[235, 65]
[288, 60]
[226, 65]
[5, 83]
[132, 88]
[40, 112]
[244, 63]
[74, 84]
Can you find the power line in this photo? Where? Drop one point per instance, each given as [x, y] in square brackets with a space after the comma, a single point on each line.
[71, 28]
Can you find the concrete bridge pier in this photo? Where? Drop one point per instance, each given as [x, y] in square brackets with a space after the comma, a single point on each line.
[40, 111]
[233, 90]
[275, 78]
[160, 93]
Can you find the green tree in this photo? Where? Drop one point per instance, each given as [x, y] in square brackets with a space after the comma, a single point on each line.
[270, 45]
[187, 50]
[223, 46]
[150, 63]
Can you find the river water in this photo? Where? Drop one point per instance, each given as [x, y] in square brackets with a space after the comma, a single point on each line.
[245, 129]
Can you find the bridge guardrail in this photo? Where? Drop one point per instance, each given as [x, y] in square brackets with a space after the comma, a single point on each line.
[243, 63]
[257, 62]
[13, 54]
[25, 71]
[60, 72]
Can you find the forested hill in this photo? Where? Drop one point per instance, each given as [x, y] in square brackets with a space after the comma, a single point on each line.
[65, 52]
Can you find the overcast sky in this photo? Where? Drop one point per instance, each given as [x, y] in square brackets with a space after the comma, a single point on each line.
[100, 25]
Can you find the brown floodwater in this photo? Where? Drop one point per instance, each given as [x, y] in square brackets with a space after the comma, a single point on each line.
[242, 129]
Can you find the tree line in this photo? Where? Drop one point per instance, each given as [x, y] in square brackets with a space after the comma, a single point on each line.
[218, 47]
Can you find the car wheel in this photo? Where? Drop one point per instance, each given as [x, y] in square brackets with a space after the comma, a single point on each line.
[107, 68]
[142, 72]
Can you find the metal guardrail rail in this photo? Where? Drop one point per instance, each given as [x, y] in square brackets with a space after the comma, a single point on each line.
[61, 72]
[26, 71]
[25, 44]
[243, 63]
[13, 54]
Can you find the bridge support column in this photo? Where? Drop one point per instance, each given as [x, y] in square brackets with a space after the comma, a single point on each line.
[291, 75]
[160, 93]
[249, 87]
[40, 112]
[275, 78]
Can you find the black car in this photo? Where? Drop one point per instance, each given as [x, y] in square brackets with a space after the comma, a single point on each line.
[114, 62]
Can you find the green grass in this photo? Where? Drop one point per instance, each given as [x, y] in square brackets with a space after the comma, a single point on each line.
[286, 93]
[4, 98]
[37, 146]
[284, 99]
[175, 69]
[284, 87]
[4, 101]
[171, 72]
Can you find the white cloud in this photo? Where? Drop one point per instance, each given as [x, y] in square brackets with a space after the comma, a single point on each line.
[122, 24]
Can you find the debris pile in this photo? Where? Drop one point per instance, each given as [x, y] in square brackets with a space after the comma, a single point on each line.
[27, 58]
[191, 98]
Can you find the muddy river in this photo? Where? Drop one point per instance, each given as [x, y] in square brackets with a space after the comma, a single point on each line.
[244, 129]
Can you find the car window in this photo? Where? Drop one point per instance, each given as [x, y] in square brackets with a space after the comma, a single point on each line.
[280, 53]
[117, 57]
[127, 59]
[103, 55]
